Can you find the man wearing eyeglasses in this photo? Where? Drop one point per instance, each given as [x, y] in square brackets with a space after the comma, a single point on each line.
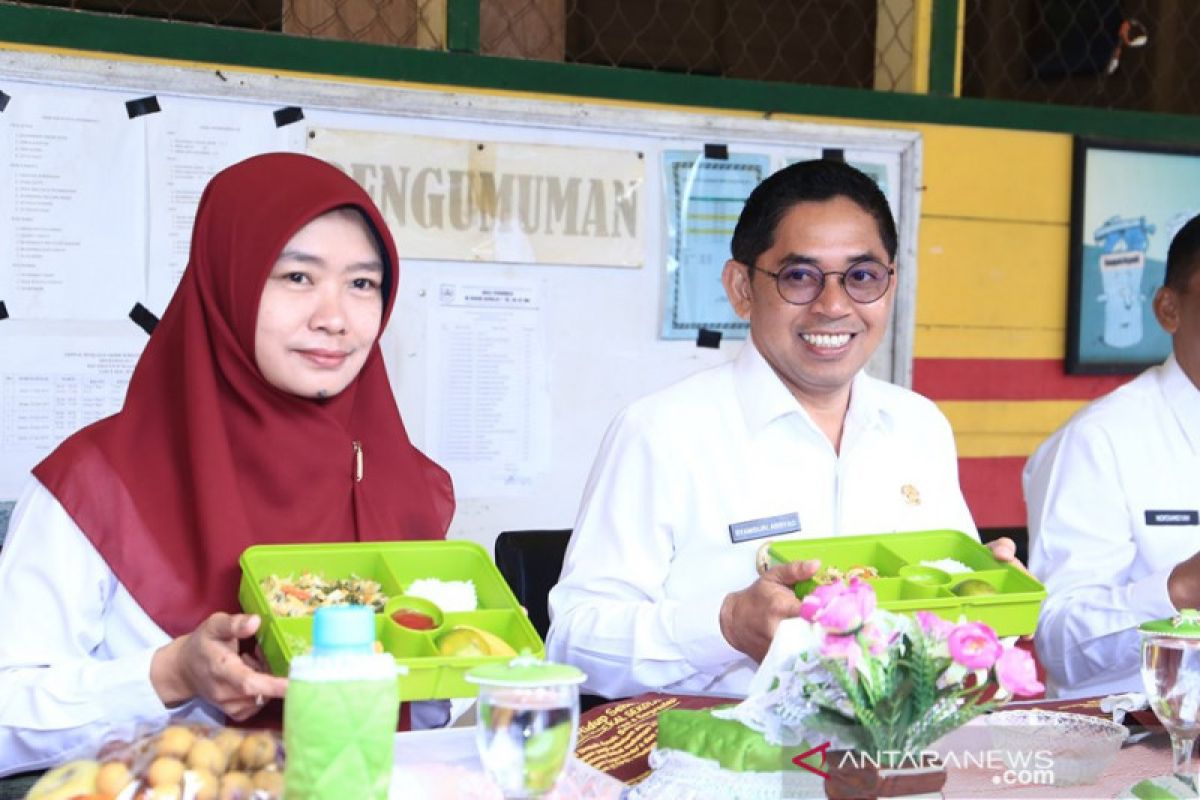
[659, 589]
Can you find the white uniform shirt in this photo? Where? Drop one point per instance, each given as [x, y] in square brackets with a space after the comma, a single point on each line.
[652, 556]
[75, 647]
[1113, 498]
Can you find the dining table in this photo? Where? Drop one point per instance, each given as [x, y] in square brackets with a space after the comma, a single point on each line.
[616, 738]
[611, 760]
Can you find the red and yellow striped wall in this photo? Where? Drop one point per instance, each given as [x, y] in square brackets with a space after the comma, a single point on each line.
[992, 303]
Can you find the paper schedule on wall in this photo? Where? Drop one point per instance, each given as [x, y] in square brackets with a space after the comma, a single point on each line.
[50, 387]
[186, 144]
[704, 197]
[66, 214]
[488, 396]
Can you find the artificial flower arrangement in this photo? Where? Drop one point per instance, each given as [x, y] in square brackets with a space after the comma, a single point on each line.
[881, 683]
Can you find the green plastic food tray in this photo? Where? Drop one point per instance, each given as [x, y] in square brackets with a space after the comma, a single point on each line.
[395, 565]
[1011, 611]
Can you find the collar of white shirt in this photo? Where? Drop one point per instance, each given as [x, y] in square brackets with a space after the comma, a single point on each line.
[765, 398]
[1183, 398]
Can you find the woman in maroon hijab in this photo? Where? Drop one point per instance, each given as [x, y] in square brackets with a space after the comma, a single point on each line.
[260, 412]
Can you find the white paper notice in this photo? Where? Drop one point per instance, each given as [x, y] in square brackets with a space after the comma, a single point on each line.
[50, 387]
[188, 143]
[488, 401]
[71, 204]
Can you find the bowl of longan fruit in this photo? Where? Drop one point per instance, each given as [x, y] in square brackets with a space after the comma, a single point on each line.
[180, 762]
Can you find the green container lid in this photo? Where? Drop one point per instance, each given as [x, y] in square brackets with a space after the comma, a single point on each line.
[498, 620]
[525, 670]
[1010, 603]
[1184, 625]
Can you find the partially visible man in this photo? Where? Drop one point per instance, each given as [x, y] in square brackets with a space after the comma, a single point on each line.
[791, 439]
[1114, 505]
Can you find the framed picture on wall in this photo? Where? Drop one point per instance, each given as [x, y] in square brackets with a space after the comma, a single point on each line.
[1127, 202]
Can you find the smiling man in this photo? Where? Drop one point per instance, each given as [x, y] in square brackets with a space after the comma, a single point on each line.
[792, 439]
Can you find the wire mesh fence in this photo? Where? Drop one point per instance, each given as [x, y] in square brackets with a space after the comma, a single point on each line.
[855, 43]
[255, 14]
[1127, 54]
[412, 23]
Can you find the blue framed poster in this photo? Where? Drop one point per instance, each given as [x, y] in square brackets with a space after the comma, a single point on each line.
[704, 197]
[1127, 202]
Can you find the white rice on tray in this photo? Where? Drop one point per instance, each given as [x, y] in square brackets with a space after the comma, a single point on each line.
[948, 565]
[446, 595]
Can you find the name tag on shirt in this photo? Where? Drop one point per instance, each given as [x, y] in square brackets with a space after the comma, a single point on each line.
[1173, 517]
[767, 526]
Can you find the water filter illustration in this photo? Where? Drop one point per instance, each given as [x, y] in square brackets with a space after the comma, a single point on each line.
[1123, 242]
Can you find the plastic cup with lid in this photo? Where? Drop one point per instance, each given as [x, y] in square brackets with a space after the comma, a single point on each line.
[527, 721]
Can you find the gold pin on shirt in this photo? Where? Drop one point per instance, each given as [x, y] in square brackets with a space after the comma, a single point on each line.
[911, 495]
[762, 558]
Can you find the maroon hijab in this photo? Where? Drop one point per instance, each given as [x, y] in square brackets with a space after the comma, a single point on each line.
[206, 458]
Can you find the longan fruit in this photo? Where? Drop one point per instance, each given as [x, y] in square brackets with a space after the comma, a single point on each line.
[159, 793]
[228, 739]
[164, 771]
[175, 740]
[207, 755]
[256, 751]
[112, 777]
[269, 780]
[206, 784]
[235, 786]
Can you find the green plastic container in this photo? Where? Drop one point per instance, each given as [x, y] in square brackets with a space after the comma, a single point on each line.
[904, 585]
[395, 565]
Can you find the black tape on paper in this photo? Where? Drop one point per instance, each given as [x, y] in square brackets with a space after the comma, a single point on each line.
[3, 310]
[142, 106]
[708, 338]
[833, 154]
[717, 152]
[3, 102]
[287, 115]
[144, 318]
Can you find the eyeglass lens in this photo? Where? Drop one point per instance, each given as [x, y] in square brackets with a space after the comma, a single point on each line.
[865, 283]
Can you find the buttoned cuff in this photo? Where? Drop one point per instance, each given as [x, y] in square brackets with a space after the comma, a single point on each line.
[698, 633]
[1150, 597]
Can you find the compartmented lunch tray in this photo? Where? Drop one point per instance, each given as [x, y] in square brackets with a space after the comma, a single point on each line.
[395, 565]
[905, 585]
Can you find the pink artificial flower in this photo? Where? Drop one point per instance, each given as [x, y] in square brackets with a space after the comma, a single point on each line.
[845, 648]
[839, 607]
[933, 625]
[974, 645]
[875, 639]
[1017, 673]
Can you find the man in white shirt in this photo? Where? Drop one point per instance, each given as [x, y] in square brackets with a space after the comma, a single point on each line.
[1114, 505]
[659, 589]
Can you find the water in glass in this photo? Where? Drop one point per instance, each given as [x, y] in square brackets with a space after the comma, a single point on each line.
[524, 736]
[1171, 676]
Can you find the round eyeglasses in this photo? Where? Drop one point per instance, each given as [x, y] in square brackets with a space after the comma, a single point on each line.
[801, 284]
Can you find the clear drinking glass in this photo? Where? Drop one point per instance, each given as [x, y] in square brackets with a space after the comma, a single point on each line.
[527, 721]
[1171, 675]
